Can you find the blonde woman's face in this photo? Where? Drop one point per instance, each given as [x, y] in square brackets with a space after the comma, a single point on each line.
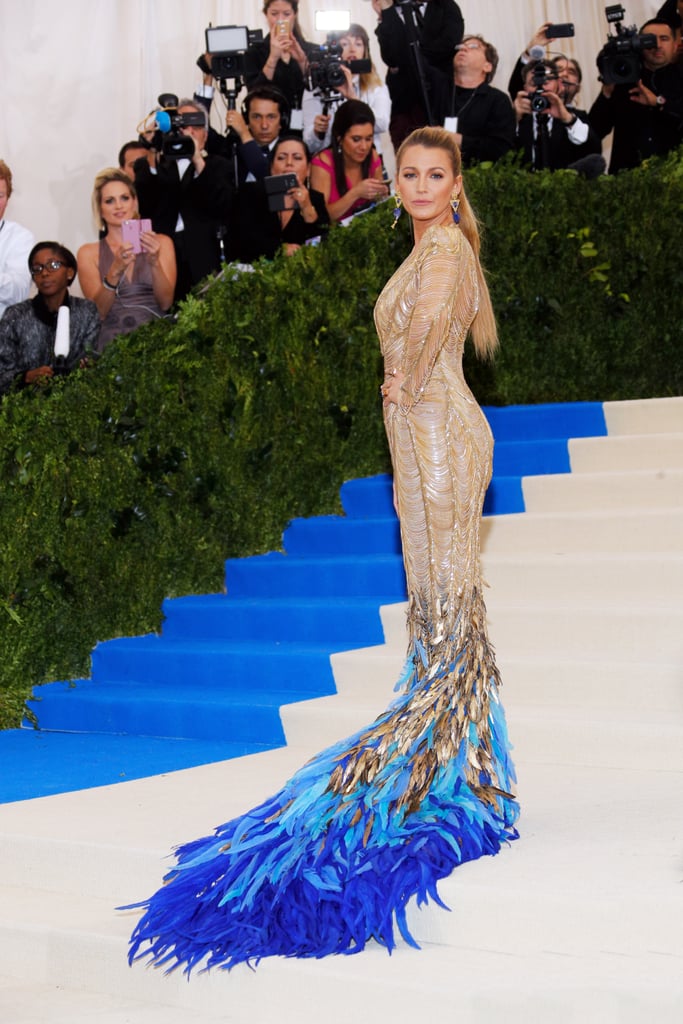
[4, 197]
[426, 183]
[117, 203]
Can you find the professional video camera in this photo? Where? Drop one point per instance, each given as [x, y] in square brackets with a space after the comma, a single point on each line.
[227, 45]
[619, 61]
[326, 75]
[169, 123]
[540, 74]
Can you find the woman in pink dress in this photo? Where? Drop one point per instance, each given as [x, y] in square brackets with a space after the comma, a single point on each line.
[349, 173]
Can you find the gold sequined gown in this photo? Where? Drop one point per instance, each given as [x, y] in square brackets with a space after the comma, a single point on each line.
[332, 860]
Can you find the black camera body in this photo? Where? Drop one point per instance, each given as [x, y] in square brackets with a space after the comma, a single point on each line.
[228, 45]
[277, 187]
[619, 61]
[538, 98]
[326, 75]
[170, 122]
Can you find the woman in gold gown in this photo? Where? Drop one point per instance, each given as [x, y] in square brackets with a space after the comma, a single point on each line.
[332, 860]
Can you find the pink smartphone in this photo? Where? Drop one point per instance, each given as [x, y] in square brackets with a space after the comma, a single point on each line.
[131, 231]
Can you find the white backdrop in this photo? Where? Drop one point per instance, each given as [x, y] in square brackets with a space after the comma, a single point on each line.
[77, 77]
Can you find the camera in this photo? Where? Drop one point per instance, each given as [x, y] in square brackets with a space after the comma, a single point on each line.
[541, 74]
[326, 75]
[228, 45]
[169, 122]
[277, 187]
[619, 61]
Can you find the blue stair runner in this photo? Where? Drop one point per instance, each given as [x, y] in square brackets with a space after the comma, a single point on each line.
[210, 687]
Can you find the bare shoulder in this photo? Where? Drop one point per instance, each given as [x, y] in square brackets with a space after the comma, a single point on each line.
[88, 252]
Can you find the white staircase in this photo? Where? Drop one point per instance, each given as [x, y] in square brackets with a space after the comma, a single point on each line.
[581, 920]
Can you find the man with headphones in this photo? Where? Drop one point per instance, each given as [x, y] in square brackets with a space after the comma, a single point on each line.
[253, 130]
[263, 116]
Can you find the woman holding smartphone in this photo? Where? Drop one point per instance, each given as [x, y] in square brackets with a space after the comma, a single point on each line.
[280, 59]
[260, 231]
[130, 279]
[349, 173]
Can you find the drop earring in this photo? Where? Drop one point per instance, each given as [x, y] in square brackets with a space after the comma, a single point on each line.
[397, 211]
[455, 206]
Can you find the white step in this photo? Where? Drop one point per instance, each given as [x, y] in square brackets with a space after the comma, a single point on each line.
[368, 676]
[629, 454]
[641, 531]
[565, 631]
[645, 416]
[566, 492]
[642, 580]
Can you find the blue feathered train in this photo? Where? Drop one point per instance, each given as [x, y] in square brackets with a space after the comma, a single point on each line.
[331, 861]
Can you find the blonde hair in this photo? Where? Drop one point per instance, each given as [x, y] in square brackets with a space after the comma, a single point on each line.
[484, 331]
[105, 177]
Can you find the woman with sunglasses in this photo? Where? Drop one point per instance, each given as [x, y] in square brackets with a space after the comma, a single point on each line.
[52, 332]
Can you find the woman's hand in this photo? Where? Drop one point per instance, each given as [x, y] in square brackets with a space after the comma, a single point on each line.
[300, 198]
[347, 89]
[280, 49]
[298, 54]
[151, 244]
[124, 258]
[391, 388]
[321, 122]
[371, 188]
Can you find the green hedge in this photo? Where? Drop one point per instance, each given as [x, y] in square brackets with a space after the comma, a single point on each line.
[197, 440]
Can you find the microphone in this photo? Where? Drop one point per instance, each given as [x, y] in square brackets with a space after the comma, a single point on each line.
[536, 53]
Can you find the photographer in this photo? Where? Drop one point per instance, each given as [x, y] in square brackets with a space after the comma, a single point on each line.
[432, 30]
[258, 124]
[646, 115]
[280, 59]
[368, 87]
[188, 198]
[568, 69]
[264, 228]
[549, 134]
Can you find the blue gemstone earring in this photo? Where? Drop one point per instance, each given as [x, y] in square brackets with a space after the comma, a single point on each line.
[397, 211]
[455, 206]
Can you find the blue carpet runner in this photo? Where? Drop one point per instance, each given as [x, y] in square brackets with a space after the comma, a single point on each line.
[210, 687]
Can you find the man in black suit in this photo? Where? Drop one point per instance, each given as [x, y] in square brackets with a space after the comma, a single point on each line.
[551, 135]
[647, 115]
[188, 199]
[436, 27]
[467, 104]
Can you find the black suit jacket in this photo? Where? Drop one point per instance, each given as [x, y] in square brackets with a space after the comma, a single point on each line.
[203, 202]
[486, 119]
[561, 151]
[641, 131]
[257, 231]
[441, 30]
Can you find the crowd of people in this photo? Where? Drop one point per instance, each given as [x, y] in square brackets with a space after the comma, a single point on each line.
[170, 215]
